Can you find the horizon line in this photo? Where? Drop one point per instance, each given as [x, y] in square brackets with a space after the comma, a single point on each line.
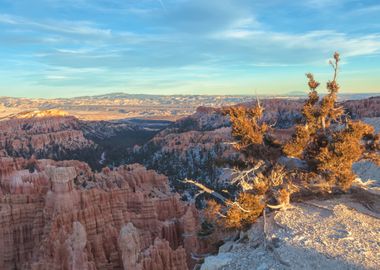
[289, 94]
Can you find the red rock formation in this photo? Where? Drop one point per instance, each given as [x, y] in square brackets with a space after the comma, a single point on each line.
[123, 218]
[369, 107]
[51, 136]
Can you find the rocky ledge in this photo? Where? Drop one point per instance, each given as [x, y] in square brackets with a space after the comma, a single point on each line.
[339, 233]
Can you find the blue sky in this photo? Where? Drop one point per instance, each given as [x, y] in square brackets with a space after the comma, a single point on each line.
[63, 48]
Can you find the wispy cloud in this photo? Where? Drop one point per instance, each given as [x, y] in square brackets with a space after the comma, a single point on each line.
[367, 10]
[62, 26]
[181, 44]
[320, 40]
[323, 4]
[162, 4]
[56, 77]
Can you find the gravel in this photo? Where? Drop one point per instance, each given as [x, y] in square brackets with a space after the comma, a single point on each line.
[336, 234]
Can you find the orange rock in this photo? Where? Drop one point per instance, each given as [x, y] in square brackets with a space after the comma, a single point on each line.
[44, 136]
[123, 218]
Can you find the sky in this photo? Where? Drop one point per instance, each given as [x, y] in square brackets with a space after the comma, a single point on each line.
[65, 48]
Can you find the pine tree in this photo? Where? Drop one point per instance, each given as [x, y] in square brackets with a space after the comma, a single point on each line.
[328, 140]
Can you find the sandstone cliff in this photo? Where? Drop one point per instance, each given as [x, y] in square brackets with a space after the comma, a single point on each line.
[44, 136]
[60, 215]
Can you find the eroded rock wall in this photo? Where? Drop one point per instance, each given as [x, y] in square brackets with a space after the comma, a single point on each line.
[54, 137]
[125, 218]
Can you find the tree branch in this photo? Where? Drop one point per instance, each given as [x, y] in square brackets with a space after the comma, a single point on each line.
[215, 194]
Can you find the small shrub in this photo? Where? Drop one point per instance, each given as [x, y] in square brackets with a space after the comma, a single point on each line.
[238, 215]
[248, 208]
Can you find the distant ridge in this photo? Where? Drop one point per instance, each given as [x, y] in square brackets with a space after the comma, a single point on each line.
[37, 114]
[116, 95]
[123, 95]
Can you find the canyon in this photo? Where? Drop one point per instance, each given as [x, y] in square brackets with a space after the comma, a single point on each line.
[200, 146]
[78, 194]
[118, 106]
[44, 136]
[61, 215]
[53, 134]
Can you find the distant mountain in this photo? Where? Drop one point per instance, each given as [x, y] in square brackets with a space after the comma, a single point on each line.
[117, 95]
[342, 96]
[120, 105]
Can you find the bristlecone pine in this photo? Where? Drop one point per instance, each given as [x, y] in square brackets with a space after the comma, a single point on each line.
[327, 140]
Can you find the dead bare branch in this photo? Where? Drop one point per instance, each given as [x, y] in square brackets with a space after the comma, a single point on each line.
[215, 194]
[275, 207]
[206, 189]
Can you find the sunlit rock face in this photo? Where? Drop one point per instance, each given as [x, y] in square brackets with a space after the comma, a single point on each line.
[363, 108]
[43, 136]
[61, 215]
[39, 113]
[52, 134]
[285, 113]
